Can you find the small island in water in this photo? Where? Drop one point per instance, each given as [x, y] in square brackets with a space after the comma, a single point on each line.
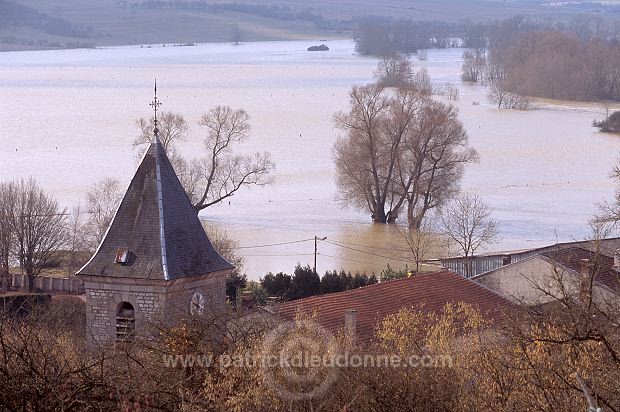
[322, 47]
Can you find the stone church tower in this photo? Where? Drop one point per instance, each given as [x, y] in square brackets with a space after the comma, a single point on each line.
[154, 260]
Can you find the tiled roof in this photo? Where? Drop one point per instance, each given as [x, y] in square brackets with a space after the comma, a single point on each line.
[603, 265]
[158, 225]
[373, 303]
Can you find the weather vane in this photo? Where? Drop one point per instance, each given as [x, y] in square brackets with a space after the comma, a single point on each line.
[155, 104]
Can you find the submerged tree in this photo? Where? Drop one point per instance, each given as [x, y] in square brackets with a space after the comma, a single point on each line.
[399, 148]
[611, 124]
[236, 34]
[433, 160]
[397, 70]
[474, 64]
[366, 156]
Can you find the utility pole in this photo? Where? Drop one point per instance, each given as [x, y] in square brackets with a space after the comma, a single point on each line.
[316, 242]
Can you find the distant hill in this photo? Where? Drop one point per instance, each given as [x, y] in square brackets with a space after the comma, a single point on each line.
[30, 24]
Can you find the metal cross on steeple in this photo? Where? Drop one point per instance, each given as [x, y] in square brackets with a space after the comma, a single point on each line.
[155, 104]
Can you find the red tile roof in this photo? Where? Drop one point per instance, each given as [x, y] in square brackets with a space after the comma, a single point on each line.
[373, 303]
[603, 265]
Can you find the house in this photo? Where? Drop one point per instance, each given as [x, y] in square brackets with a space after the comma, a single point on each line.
[542, 278]
[154, 260]
[482, 263]
[364, 308]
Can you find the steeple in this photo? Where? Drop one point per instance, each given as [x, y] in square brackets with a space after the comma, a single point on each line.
[155, 104]
[155, 233]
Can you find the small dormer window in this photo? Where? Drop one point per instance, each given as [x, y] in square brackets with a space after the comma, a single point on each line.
[122, 256]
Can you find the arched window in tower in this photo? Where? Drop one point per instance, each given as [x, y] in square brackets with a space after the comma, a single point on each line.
[125, 322]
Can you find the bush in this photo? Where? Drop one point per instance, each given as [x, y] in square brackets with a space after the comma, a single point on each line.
[609, 125]
[277, 285]
[24, 304]
[306, 282]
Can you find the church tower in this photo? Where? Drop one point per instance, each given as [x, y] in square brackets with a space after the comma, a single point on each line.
[155, 258]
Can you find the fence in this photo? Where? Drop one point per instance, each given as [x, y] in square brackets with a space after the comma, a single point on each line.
[47, 284]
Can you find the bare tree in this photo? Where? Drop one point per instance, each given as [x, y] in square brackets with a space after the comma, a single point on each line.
[218, 176]
[366, 157]
[468, 222]
[76, 240]
[222, 173]
[39, 228]
[394, 70]
[420, 242]
[448, 90]
[6, 234]
[399, 149]
[497, 94]
[101, 204]
[608, 214]
[433, 160]
[172, 129]
[397, 70]
[236, 34]
[474, 63]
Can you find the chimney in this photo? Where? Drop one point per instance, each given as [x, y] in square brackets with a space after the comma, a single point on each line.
[585, 279]
[616, 265]
[350, 323]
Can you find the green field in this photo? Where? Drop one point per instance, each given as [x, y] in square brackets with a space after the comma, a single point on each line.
[119, 22]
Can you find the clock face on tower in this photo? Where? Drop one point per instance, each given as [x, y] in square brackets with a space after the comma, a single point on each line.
[197, 303]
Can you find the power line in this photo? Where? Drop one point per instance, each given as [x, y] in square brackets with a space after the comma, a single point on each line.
[289, 255]
[369, 253]
[276, 244]
[350, 260]
[370, 247]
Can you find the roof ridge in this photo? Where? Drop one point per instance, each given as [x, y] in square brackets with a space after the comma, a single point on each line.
[160, 207]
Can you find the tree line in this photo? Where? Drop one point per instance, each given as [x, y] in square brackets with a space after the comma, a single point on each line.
[521, 58]
[561, 66]
[305, 282]
[379, 36]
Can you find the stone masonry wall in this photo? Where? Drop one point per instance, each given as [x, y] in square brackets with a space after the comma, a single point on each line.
[171, 300]
[212, 287]
[102, 301]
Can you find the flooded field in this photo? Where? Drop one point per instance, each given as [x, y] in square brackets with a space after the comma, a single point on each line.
[68, 118]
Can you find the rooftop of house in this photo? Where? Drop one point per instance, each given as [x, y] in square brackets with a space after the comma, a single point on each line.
[602, 264]
[372, 303]
[155, 233]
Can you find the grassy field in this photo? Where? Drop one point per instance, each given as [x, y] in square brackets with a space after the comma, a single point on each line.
[119, 22]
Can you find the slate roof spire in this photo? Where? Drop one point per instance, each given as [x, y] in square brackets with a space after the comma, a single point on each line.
[155, 233]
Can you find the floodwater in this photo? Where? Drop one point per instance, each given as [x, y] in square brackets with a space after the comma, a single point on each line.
[67, 118]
